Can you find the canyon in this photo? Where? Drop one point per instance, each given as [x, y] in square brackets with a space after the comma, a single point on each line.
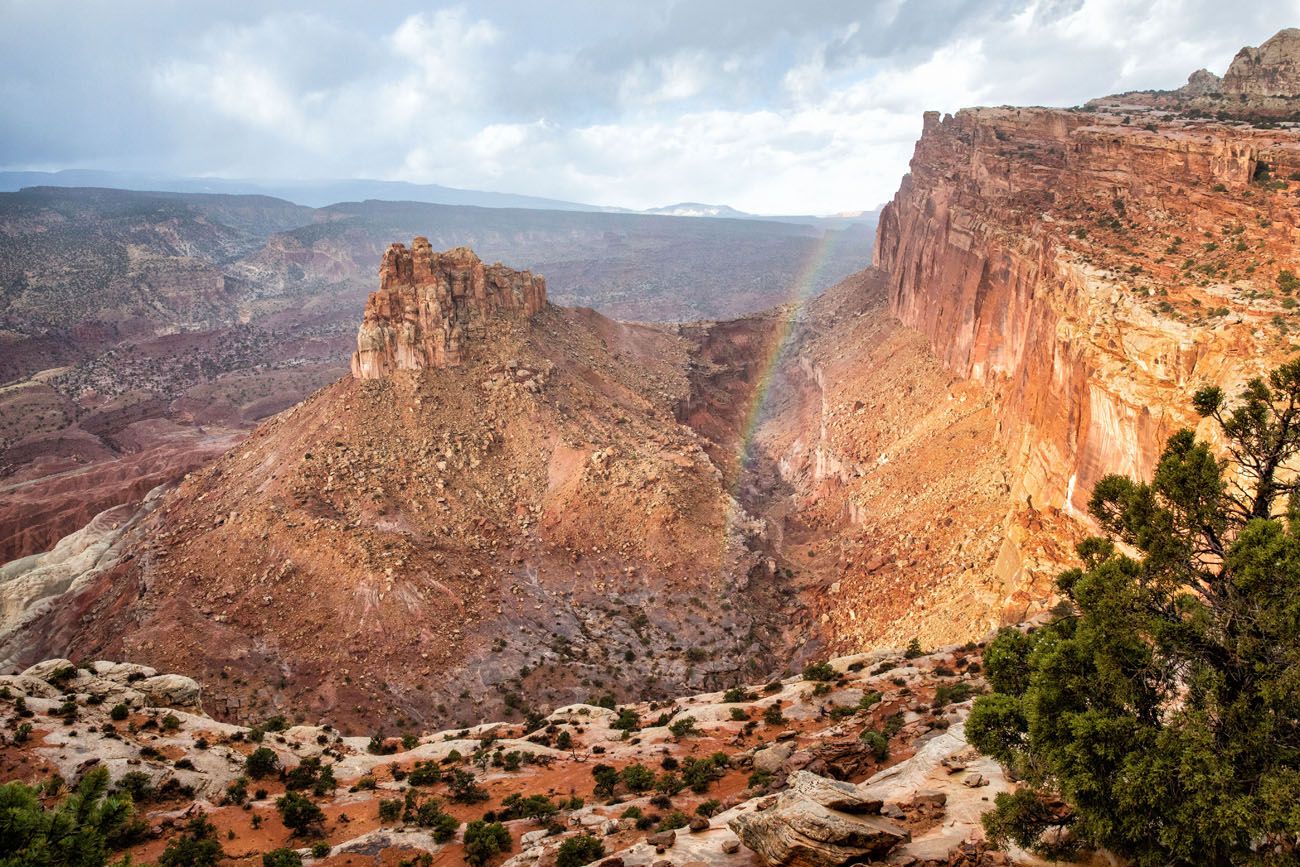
[141, 334]
[513, 519]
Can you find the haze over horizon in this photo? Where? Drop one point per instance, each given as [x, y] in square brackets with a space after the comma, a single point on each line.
[770, 110]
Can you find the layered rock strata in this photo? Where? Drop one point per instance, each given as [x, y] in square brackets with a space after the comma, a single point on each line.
[1092, 268]
[430, 306]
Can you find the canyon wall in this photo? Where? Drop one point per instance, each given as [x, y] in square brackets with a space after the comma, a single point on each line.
[1092, 268]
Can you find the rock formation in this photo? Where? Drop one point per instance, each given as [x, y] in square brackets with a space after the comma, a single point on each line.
[464, 537]
[1202, 82]
[1092, 268]
[431, 305]
[1261, 83]
[1272, 69]
[816, 824]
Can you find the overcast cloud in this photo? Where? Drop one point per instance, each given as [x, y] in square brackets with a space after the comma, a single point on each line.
[774, 106]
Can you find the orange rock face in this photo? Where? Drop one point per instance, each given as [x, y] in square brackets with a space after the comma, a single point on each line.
[1092, 268]
[430, 305]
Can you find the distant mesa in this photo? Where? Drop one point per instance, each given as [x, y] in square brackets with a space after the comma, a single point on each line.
[431, 307]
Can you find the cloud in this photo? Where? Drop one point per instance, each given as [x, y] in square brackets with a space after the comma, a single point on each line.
[762, 104]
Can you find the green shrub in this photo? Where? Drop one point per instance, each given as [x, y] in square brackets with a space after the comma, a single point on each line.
[484, 840]
[465, 788]
[738, 694]
[237, 791]
[878, 743]
[195, 846]
[682, 727]
[281, 858]
[579, 850]
[627, 720]
[261, 762]
[669, 784]
[674, 820]
[138, 785]
[119, 712]
[425, 773]
[638, 778]
[953, 693]
[606, 778]
[299, 814]
[819, 671]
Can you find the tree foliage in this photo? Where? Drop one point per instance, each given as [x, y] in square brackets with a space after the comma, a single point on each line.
[579, 850]
[484, 840]
[1159, 716]
[195, 846]
[300, 815]
[78, 832]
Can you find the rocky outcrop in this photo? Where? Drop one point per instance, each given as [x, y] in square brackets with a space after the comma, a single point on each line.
[1092, 268]
[103, 681]
[817, 823]
[1202, 82]
[431, 306]
[1272, 69]
[1262, 83]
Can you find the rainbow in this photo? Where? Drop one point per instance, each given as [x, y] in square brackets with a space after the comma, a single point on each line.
[802, 290]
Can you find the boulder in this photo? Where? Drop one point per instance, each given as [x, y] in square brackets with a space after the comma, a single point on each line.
[662, 840]
[47, 669]
[29, 687]
[833, 794]
[798, 831]
[170, 690]
[770, 759]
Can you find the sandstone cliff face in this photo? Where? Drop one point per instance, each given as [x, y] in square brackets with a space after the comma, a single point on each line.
[1272, 69]
[1091, 268]
[430, 305]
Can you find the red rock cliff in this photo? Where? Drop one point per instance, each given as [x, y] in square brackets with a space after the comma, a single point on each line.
[1092, 267]
[431, 306]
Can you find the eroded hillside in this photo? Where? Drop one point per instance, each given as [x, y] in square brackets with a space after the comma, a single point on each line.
[516, 523]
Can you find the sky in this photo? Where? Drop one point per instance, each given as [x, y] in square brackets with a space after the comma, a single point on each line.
[770, 106]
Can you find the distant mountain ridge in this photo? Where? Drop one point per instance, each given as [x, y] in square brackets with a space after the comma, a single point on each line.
[699, 209]
[321, 193]
[314, 194]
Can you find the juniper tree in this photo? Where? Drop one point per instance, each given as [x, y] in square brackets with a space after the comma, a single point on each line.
[1158, 716]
